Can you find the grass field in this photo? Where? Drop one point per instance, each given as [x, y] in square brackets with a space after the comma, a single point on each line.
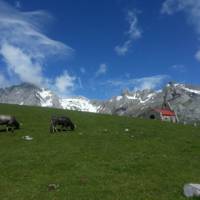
[97, 161]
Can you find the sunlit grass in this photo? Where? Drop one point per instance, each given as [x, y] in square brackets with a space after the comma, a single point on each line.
[101, 159]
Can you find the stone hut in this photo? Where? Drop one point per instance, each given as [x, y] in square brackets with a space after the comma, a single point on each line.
[163, 114]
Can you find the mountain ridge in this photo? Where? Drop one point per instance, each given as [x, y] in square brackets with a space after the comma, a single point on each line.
[130, 103]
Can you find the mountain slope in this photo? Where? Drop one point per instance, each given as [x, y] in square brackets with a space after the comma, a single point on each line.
[186, 103]
[79, 104]
[28, 94]
[129, 103]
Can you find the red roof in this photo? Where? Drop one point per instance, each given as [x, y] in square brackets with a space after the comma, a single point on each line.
[165, 112]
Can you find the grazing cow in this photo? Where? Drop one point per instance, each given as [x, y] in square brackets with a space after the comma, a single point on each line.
[62, 121]
[10, 122]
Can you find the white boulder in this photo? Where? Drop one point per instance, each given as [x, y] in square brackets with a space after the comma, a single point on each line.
[192, 190]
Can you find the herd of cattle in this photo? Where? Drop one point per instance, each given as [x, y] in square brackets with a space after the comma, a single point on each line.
[56, 121]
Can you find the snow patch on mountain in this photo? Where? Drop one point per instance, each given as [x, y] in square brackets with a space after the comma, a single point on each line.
[134, 97]
[46, 97]
[148, 98]
[189, 89]
[78, 103]
[118, 98]
[140, 97]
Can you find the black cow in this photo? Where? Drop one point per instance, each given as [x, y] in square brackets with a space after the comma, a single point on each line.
[62, 121]
[10, 122]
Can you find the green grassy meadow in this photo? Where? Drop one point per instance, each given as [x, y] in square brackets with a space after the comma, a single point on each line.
[100, 160]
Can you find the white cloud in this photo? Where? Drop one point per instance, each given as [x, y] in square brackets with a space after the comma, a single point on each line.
[197, 55]
[123, 49]
[65, 83]
[23, 29]
[179, 67]
[82, 69]
[3, 81]
[191, 8]
[21, 64]
[152, 82]
[23, 45]
[18, 4]
[102, 69]
[134, 33]
[148, 82]
[80, 83]
[169, 7]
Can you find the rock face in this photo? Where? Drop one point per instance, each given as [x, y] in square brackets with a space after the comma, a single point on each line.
[186, 104]
[130, 103]
[28, 94]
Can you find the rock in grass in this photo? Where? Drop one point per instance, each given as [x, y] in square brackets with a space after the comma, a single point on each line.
[191, 190]
[53, 186]
[105, 130]
[27, 137]
[83, 180]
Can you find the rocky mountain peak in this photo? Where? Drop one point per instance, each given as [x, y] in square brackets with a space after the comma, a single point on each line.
[184, 100]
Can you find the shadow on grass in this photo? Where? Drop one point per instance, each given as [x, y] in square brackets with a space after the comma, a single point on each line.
[3, 130]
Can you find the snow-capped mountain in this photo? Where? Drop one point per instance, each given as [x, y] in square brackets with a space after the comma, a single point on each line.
[184, 99]
[130, 103]
[78, 103]
[29, 94]
[48, 98]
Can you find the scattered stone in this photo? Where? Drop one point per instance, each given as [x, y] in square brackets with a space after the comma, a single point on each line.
[83, 180]
[191, 190]
[27, 137]
[126, 130]
[53, 186]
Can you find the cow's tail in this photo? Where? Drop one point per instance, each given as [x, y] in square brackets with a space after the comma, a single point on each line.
[17, 124]
[51, 128]
[72, 126]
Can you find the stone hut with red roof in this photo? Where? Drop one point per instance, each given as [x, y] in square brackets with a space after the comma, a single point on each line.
[163, 114]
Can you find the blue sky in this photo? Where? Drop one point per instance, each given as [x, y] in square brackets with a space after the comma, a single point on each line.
[98, 48]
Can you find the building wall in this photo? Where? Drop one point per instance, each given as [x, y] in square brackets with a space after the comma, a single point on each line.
[151, 114]
[169, 118]
[166, 118]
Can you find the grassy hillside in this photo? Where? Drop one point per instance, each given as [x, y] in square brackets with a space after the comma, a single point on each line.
[97, 161]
